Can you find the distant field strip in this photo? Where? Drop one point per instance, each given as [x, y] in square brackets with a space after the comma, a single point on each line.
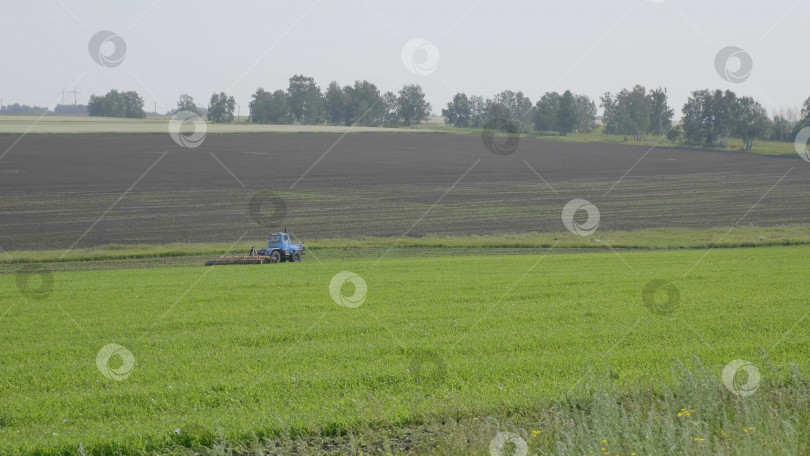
[745, 236]
[55, 124]
[33, 125]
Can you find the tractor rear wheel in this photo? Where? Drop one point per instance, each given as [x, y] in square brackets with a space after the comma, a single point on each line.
[275, 257]
[296, 257]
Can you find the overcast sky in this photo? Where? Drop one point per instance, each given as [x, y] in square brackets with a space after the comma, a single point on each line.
[483, 46]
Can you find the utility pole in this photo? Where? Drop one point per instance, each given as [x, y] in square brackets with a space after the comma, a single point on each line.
[238, 113]
[62, 92]
[156, 107]
[75, 93]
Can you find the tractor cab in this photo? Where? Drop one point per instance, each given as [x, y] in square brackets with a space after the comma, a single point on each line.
[281, 245]
[277, 240]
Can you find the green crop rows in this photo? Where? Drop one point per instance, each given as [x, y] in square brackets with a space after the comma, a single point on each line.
[246, 352]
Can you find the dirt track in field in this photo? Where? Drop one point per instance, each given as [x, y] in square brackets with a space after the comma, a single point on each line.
[54, 188]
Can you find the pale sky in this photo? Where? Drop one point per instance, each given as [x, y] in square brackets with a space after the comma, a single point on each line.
[484, 47]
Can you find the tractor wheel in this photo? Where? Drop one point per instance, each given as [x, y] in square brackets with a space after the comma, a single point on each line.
[296, 257]
[275, 257]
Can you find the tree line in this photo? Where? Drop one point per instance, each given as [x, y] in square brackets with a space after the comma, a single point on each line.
[17, 108]
[515, 113]
[130, 105]
[303, 102]
[116, 104]
[710, 118]
[633, 112]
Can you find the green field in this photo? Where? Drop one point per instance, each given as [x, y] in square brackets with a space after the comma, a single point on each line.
[597, 136]
[441, 347]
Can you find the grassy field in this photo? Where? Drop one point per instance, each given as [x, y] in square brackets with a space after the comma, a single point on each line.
[597, 136]
[440, 349]
[54, 124]
[747, 236]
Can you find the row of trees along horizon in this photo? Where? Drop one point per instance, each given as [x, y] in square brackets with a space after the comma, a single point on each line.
[710, 117]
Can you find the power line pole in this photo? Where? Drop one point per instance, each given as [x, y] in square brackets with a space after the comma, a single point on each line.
[62, 92]
[75, 93]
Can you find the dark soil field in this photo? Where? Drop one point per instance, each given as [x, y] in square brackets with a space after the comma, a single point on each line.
[53, 188]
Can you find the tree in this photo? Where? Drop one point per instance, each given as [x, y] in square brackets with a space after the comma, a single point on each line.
[519, 108]
[637, 108]
[722, 109]
[363, 104]
[266, 107]
[413, 108]
[636, 112]
[710, 117]
[335, 104]
[391, 104]
[783, 123]
[610, 114]
[805, 115]
[674, 133]
[133, 105]
[458, 112]
[221, 107]
[306, 100]
[186, 103]
[564, 113]
[116, 104]
[660, 113]
[751, 121]
[546, 112]
[477, 111]
[586, 114]
[698, 118]
[567, 114]
[494, 110]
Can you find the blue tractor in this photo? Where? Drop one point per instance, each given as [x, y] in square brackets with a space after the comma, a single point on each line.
[279, 248]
